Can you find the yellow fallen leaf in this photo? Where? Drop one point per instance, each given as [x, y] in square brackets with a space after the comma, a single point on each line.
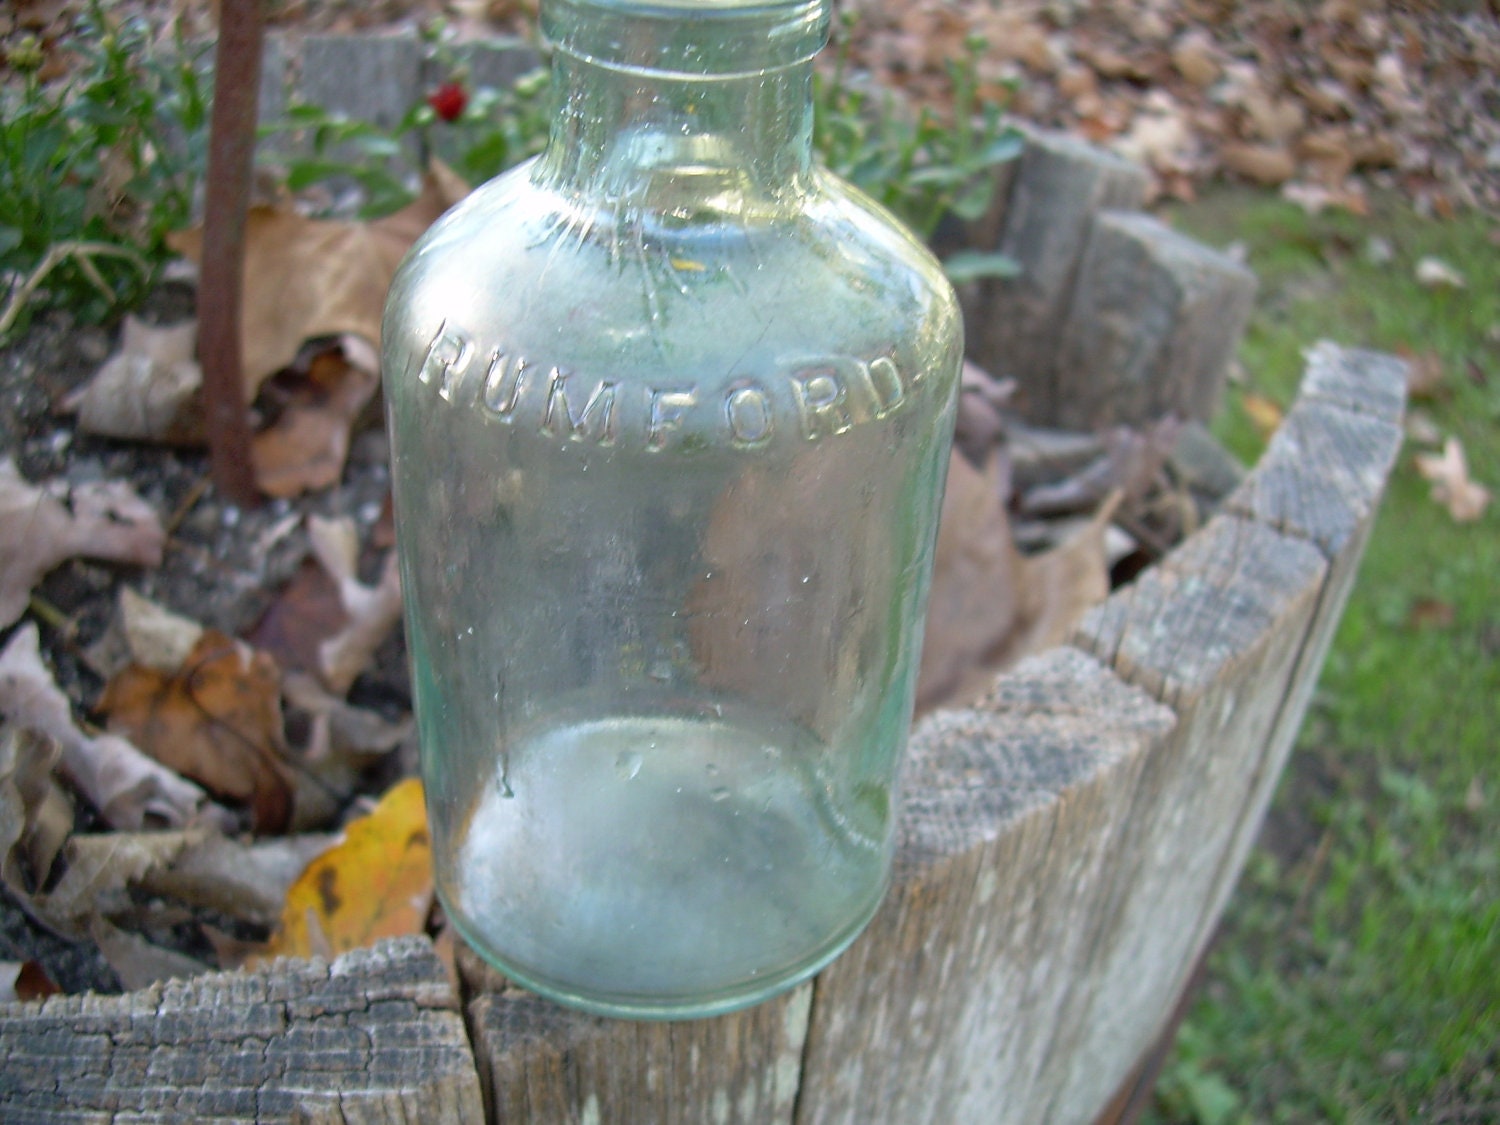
[688, 265]
[1264, 414]
[374, 883]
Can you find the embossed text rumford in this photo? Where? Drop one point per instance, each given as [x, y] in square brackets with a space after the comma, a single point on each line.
[814, 396]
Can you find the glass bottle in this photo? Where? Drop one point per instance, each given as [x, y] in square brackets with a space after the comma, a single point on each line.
[670, 411]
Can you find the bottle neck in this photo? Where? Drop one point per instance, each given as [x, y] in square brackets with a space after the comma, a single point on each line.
[682, 97]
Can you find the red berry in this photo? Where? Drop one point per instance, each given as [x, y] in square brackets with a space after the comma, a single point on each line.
[448, 100]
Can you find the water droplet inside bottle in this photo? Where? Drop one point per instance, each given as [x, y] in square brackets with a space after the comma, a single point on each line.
[719, 793]
[628, 764]
[661, 670]
[711, 769]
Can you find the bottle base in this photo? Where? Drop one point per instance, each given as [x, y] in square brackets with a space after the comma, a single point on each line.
[631, 1006]
[664, 866]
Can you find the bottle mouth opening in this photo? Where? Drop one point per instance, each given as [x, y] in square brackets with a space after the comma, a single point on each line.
[688, 38]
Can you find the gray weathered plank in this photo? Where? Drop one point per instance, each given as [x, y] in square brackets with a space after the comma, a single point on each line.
[941, 1010]
[374, 1036]
[366, 78]
[1060, 184]
[1154, 321]
[1320, 480]
[1213, 631]
[543, 1063]
[1363, 381]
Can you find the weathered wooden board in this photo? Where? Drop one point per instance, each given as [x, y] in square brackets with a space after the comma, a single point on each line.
[374, 1037]
[1060, 185]
[944, 1010]
[543, 1063]
[1153, 323]
[1213, 631]
[1320, 480]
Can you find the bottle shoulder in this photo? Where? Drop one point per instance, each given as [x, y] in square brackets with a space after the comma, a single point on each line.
[716, 288]
[513, 231]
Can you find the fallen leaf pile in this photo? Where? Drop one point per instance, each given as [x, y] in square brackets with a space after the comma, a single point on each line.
[1314, 98]
[1301, 95]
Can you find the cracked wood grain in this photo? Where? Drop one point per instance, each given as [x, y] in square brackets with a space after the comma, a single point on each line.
[942, 1011]
[373, 1037]
[543, 1063]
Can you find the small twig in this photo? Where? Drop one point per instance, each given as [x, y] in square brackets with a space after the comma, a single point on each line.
[52, 617]
[1314, 870]
[83, 253]
[189, 502]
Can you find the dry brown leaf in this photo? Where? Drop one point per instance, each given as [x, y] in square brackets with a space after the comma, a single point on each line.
[97, 873]
[1421, 429]
[216, 720]
[147, 390]
[339, 730]
[373, 884]
[244, 881]
[306, 612]
[1274, 120]
[372, 611]
[1266, 164]
[1426, 378]
[1328, 155]
[36, 816]
[40, 526]
[1160, 137]
[1196, 58]
[1061, 585]
[340, 745]
[126, 786]
[141, 632]
[305, 449]
[1429, 613]
[306, 278]
[303, 452]
[137, 962]
[155, 636]
[1465, 499]
[1315, 198]
[24, 981]
[975, 595]
[991, 606]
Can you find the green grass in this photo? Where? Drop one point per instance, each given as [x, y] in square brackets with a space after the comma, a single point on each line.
[1357, 977]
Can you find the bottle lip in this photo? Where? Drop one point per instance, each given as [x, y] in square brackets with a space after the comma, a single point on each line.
[691, 38]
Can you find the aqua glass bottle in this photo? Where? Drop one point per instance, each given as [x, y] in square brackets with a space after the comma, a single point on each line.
[670, 410]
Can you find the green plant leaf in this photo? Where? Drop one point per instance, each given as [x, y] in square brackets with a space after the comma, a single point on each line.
[1005, 147]
[974, 200]
[975, 266]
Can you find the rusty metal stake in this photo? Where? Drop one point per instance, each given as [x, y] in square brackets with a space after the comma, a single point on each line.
[231, 151]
